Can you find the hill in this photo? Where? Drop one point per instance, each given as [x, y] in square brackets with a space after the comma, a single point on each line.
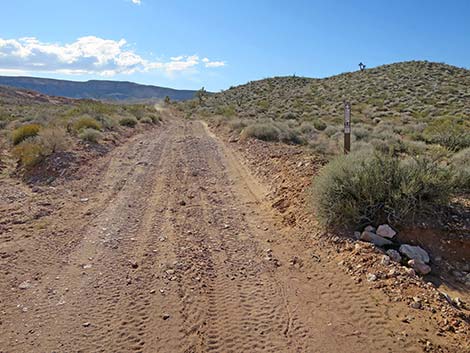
[402, 103]
[95, 89]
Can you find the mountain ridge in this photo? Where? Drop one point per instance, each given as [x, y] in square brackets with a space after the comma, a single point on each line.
[96, 89]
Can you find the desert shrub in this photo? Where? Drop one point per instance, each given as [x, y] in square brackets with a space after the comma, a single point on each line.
[52, 139]
[226, 110]
[320, 125]
[360, 133]
[449, 132]
[307, 128]
[322, 145]
[461, 164]
[156, 118]
[291, 136]
[289, 115]
[24, 132]
[415, 148]
[29, 152]
[106, 122]
[389, 144]
[146, 120]
[331, 130]
[261, 131]
[128, 121]
[86, 122]
[90, 135]
[363, 188]
[236, 125]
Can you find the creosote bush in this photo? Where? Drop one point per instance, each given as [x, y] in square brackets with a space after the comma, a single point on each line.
[24, 132]
[128, 121]
[364, 188]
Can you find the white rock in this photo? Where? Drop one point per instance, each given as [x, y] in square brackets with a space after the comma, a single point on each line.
[414, 253]
[25, 285]
[385, 260]
[371, 277]
[384, 230]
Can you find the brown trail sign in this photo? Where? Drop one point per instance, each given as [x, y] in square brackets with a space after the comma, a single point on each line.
[347, 127]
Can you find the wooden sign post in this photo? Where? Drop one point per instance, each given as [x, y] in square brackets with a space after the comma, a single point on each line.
[347, 127]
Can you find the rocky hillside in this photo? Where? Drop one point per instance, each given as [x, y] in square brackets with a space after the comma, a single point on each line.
[104, 90]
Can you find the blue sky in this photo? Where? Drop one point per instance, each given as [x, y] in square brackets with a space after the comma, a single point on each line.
[217, 44]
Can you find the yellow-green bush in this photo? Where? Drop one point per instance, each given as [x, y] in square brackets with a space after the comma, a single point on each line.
[29, 152]
[24, 132]
[86, 122]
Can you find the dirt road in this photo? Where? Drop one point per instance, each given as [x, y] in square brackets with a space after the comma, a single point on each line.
[169, 247]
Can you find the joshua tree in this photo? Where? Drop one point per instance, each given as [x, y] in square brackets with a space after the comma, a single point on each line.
[167, 100]
[362, 67]
[201, 95]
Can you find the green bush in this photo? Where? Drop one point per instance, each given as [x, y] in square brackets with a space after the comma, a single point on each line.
[90, 135]
[86, 122]
[261, 131]
[128, 121]
[363, 188]
[452, 133]
[24, 132]
[146, 120]
[320, 125]
[461, 164]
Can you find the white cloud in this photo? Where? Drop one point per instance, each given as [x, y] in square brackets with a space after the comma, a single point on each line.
[88, 55]
[137, 2]
[214, 63]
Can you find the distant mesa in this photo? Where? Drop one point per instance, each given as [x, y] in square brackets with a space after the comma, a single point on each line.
[96, 89]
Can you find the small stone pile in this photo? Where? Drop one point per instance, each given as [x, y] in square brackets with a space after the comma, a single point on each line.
[414, 257]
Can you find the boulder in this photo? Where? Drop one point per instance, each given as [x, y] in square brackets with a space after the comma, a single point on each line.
[419, 267]
[374, 238]
[394, 255]
[384, 230]
[369, 229]
[414, 253]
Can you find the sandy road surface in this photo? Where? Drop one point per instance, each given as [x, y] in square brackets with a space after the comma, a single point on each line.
[176, 251]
